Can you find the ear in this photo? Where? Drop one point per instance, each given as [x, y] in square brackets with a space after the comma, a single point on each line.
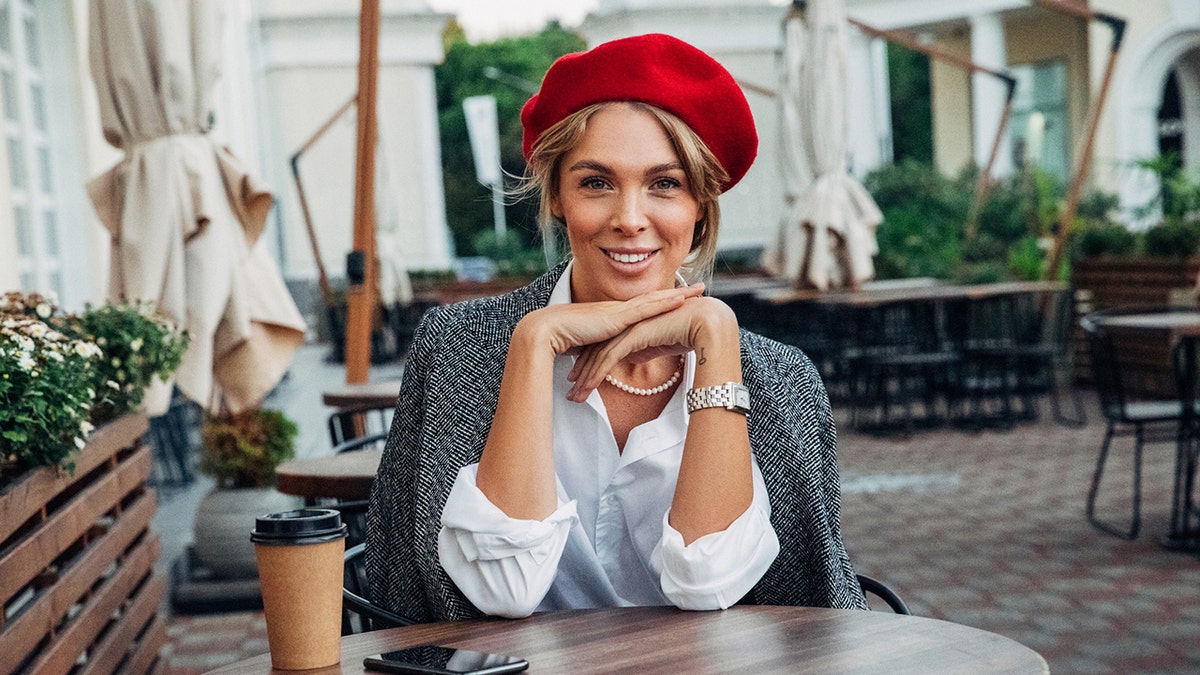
[556, 209]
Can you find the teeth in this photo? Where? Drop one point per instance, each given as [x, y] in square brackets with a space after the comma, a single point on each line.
[628, 257]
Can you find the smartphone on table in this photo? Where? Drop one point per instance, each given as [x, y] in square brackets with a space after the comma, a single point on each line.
[440, 660]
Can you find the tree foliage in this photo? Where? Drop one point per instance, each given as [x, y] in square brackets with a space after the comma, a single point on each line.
[464, 74]
[912, 112]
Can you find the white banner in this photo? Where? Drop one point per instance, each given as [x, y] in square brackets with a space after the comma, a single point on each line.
[483, 129]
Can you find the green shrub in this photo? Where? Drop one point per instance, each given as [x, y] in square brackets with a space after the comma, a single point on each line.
[1107, 239]
[1173, 239]
[512, 255]
[242, 450]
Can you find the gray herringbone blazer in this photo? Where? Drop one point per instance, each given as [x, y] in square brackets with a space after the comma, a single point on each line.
[446, 404]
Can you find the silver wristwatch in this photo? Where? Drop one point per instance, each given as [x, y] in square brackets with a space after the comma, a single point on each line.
[731, 396]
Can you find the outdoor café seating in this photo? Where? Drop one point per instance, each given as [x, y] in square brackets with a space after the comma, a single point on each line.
[1127, 410]
[911, 354]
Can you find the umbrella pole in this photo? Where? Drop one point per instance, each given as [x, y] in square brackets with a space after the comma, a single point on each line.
[361, 296]
[984, 181]
[1083, 160]
[322, 276]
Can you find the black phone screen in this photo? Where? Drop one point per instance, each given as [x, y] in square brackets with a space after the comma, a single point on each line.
[445, 661]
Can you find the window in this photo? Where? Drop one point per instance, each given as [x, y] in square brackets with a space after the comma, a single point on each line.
[22, 94]
[1039, 118]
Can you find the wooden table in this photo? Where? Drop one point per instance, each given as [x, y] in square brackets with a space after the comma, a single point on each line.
[347, 476]
[743, 639]
[366, 395]
[1184, 326]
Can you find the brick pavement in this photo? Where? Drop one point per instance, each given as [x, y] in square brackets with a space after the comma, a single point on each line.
[984, 529]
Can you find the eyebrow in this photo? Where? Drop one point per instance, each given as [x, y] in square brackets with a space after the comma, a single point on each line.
[588, 165]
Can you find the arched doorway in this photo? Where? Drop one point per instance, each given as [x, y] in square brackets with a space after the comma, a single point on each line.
[1157, 107]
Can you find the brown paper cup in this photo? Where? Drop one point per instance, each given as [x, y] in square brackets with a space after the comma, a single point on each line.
[301, 584]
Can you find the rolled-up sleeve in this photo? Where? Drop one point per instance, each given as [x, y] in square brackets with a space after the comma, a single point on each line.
[503, 565]
[718, 569]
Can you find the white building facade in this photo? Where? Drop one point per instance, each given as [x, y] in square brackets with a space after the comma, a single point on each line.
[291, 64]
[288, 66]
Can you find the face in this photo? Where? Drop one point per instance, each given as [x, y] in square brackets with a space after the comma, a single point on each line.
[627, 205]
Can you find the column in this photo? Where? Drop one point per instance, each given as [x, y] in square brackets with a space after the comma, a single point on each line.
[988, 93]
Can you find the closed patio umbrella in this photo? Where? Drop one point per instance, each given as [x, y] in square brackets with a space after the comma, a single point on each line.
[184, 214]
[827, 237]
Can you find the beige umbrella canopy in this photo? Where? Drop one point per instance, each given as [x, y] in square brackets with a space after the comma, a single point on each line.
[183, 212]
[827, 237]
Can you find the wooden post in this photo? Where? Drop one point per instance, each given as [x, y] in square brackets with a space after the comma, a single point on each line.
[1083, 159]
[361, 297]
[322, 276]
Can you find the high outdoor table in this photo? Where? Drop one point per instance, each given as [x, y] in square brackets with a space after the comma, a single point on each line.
[347, 476]
[742, 639]
[1184, 326]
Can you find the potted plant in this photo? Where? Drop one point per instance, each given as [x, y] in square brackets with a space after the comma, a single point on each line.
[240, 451]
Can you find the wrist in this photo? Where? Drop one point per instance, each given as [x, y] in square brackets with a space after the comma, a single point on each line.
[717, 344]
[532, 337]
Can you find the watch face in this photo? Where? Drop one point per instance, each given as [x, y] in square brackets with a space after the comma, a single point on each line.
[741, 397]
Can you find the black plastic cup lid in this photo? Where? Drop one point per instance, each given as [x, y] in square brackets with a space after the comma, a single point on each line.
[301, 526]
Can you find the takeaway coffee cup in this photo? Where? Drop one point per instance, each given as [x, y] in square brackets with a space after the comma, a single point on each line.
[299, 557]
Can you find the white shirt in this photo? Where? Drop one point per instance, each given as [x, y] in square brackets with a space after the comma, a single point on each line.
[608, 544]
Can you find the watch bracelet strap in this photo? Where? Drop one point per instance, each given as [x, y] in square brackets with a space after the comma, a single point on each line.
[714, 396]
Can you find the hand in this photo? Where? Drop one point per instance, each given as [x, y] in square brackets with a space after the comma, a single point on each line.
[674, 332]
[567, 328]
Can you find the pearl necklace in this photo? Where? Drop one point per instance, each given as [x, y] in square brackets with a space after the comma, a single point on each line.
[651, 391]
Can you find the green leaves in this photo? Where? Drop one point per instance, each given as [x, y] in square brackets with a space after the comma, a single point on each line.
[54, 374]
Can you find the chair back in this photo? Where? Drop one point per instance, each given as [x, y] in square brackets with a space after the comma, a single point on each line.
[346, 424]
[1106, 369]
[879, 589]
[359, 614]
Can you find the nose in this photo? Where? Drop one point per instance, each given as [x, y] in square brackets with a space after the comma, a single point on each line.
[630, 217]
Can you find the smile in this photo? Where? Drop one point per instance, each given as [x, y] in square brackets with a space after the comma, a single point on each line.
[628, 257]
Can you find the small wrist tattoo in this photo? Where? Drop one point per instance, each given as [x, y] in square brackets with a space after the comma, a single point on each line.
[701, 361]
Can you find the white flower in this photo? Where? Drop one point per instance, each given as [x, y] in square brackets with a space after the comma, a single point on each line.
[86, 427]
[116, 363]
[24, 343]
[43, 310]
[91, 393]
[37, 329]
[55, 355]
[101, 341]
[113, 385]
[26, 362]
[80, 442]
[52, 297]
[136, 345]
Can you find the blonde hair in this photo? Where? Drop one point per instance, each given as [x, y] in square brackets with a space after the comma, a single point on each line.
[704, 173]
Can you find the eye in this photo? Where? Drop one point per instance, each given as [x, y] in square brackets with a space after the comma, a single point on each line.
[593, 183]
[666, 184]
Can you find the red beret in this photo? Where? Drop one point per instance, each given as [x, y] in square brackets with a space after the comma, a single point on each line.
[658, 69]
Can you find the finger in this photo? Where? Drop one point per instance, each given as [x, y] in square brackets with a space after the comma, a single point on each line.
[601, 361]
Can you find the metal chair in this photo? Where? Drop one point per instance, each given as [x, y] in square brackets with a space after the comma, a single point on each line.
[354, 512]
[879, 589]
[1124, 413]
[359, 614]
[347, 424]
[904, 359]
[1017, 348]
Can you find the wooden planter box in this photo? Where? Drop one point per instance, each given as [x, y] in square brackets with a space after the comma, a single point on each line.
[77, 560]
[1109, 283]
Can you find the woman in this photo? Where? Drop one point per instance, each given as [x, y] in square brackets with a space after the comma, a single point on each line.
[607, 435]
